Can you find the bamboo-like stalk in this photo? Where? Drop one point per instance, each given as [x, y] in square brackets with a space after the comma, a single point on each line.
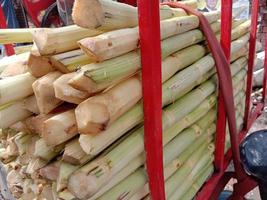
[94, 144]
[60, 128]
[22, 140]
[45, 94]
[34, 165]
[107, 70]
[58, 40]
[45, 152]
[133, 142]
[202, 142]
[74, 154]
[70, 61]
[66, 195]
[15, 69]
[15, 87]
[30, 104]
[191, 192]
[39, 65]
[67, 93]
[14, 59]
[36, 123]
[109, 45]
[13, 113]
[129, 63]
[138, 178]
[189, 169]
[19, 35]
[98, 112]
[170, 66]
[109, 15]
[22, 49]
[50, 171]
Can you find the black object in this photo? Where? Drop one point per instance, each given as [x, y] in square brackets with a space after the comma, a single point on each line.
[253, 153]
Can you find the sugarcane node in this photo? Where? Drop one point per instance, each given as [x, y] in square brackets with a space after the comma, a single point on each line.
[88, 13]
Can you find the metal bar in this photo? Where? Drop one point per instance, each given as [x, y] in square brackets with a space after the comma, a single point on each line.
[149, 30]
[8, 47]
[252, 45]
[265, 73]
[226, 27]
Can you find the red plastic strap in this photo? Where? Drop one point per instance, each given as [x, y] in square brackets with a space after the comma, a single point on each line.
[225, 79]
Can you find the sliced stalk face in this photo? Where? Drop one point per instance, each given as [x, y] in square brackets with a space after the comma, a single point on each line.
[39, 65]
[67, 93]
[45, 94]
[98, 112]
[60, 128]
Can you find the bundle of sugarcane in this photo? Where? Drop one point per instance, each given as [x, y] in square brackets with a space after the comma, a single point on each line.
[72, 123]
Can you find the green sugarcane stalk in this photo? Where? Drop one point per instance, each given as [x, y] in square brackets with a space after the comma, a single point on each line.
[191, 192]
[138, 179]
[178, 193]
[190, 168]
[45, 152]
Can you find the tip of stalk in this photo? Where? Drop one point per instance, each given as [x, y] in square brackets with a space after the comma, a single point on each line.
[82, 185]
[88, 13]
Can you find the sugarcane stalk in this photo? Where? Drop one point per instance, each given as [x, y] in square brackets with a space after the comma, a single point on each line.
[39, 65]
[109, 45]
[67, 93]
[22, 49]
[189, 194]
[14, 59]
[30, 104]
[19, 35]
[170, 66]
[74, 154]
[34, 165]
[58, 40]
[98, 112]
[7, 118]
[14, 69]
[109, 15]
[129, 169]
[36, 123]
[190, 168]
[107, 70]
[60, 128]
[15, 87]
[175, 164]
[22, 140]
[45, 152]
[66, 195]
[138, 178]
[70, 61]
[51, 171]
[45, 94]
[137, 139]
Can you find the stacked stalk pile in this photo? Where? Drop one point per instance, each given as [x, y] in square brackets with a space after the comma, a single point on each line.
[72, 123]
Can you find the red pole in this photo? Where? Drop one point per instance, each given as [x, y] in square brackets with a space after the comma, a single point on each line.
[265, 73]
[8, 47]
[252, 45]
[226, 27]
[149, 30]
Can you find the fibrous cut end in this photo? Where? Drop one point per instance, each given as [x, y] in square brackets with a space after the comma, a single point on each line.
[88, 13]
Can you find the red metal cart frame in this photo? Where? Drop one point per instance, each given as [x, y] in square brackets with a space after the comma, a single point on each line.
[151, 72]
